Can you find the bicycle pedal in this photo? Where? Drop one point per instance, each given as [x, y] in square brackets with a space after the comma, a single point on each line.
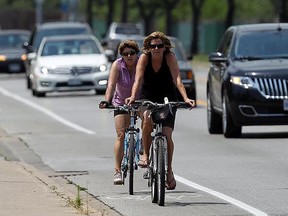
[146, 175]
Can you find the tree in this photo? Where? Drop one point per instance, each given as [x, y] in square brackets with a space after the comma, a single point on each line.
[196, 8]
[283, 16]
[89, 12]
[147, 10]
[169, 5]
[110, 14]
[230, 13]
[124, 11]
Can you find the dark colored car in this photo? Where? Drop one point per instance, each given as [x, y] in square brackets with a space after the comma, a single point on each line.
[51, 29]
[12, 54]
[248, 80]
[184, 62]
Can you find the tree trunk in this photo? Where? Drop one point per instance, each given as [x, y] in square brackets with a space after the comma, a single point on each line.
[124, 11]
[89, 12]
[110, 15]
[196, 8]
[283, 17]
[230, 13]
[147, 10]
[169, 6]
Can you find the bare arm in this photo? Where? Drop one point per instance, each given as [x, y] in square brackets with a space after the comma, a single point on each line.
[140, 68]
[174, 68]
[112, 81]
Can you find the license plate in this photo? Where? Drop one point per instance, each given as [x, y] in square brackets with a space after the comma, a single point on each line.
[14, 67]
[74, 82]
[285, 105]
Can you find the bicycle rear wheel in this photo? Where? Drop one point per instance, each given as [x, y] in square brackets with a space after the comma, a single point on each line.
[131, 162]
[161, 172]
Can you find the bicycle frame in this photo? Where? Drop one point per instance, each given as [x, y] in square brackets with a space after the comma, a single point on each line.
[158, 165]
[131, 149]
[131, 143]
[158, 155]
[131, 131]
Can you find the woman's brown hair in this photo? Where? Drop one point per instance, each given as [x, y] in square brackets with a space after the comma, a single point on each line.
[130, 44]
[156, 35]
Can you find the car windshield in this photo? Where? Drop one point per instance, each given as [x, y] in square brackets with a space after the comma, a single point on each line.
[127, 30]
[58, 31]
[12, 40]
[178, 50]
[69, 47]
[266, 44]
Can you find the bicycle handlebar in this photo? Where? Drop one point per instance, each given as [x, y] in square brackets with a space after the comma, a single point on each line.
[177, 104]
[135, 105]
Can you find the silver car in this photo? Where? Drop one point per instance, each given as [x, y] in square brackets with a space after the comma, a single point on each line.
[69, 63]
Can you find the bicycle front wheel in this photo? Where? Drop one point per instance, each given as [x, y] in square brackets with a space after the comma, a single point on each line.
[131, 162]
[161, 172]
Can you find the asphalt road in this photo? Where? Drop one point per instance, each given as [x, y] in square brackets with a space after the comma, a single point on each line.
[215, 176]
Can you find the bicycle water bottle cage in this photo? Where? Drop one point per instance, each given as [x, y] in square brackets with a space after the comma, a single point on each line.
[160, 114]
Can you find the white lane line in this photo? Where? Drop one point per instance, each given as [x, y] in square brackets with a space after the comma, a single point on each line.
[238, 203]
[46, 111]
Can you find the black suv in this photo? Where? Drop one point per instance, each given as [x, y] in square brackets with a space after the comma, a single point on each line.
[51, 29]
[248, 79]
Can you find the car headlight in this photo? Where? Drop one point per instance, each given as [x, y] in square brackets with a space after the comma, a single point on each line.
[3, 58]
[246, 82]
[44, 70]
[101, 68]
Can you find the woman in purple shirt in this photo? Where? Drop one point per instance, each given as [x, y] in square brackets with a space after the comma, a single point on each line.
[120, 82]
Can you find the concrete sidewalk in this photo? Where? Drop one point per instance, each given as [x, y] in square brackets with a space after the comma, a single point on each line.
[27, 192]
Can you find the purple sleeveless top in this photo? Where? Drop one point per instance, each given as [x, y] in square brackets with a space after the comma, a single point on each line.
[124, 84]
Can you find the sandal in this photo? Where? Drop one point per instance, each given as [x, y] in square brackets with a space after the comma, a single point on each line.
[143, 163]
[171, 185]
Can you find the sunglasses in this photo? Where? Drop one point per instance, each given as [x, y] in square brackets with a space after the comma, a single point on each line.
[131, 53]
[159, 46]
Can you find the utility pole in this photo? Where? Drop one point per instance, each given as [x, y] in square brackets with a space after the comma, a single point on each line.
[38, 12]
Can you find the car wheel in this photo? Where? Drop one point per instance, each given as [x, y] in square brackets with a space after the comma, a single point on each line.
[100, 92]
[230, 130]
[28, 82]
[38, 94]
[214, 120]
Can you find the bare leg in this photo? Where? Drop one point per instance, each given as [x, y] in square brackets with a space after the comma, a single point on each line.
[170, 147]
[121, 122]
[146, 134]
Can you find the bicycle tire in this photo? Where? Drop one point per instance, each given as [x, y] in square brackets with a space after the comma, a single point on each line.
[131, 162]
[152, 175]
[161, 172]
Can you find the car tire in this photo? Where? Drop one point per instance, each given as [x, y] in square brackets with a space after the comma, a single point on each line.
[230, 130]
[28, 82]
[214, 121]
[38, 94]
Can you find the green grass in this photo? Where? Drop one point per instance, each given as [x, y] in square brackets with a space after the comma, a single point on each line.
[200, 58]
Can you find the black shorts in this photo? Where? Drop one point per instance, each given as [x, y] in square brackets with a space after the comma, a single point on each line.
[119, 112]
[170, 121]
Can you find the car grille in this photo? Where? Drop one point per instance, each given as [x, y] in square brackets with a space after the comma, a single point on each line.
[72, 70]
[272, 88]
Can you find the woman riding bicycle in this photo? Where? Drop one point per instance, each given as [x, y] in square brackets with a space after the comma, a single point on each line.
[121, 79]
[158, 76]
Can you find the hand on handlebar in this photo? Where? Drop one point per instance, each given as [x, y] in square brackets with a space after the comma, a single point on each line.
[129, 100]
[190, 102]
[104, 104]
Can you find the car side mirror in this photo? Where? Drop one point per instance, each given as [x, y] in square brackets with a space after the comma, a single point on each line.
[217, 57]
[27, 47]
[31, 56]
[110, 54]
